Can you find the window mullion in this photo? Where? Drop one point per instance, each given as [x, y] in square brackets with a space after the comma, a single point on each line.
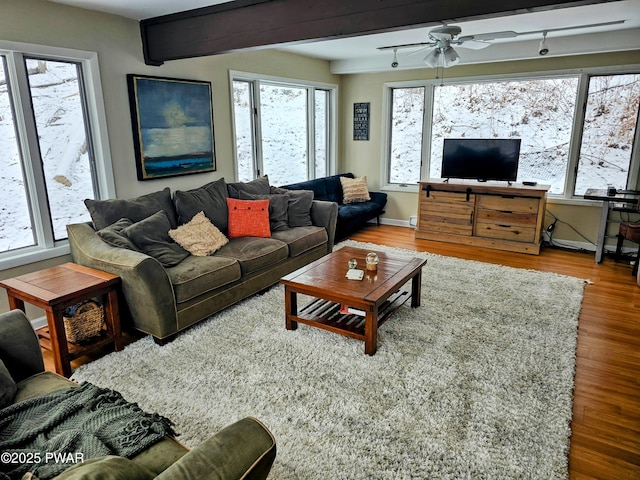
[30, 147]
[257, 128]
[427, 125]
[576, 135]
[311, 133]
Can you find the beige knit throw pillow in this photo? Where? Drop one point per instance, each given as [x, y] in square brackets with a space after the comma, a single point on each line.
[199, 236]
[354, 189]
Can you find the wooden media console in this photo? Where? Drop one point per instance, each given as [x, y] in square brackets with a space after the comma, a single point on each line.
[483, 214]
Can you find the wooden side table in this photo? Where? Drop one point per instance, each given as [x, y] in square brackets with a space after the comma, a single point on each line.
[53, 290]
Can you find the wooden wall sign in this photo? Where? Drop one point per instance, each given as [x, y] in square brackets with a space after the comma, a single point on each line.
[361, 121]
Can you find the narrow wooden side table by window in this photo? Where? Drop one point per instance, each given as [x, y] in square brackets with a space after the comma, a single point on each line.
[53, 290]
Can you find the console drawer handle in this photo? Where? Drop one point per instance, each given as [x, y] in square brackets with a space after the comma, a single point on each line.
[504, 226]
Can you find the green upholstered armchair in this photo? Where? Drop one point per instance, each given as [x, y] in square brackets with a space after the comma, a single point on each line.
[243, 450]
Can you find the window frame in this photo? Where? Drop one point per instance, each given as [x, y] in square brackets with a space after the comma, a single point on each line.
[583, 75]
[254, 81]
[45, 246]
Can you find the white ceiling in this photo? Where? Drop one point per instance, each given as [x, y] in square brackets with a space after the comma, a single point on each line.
[361, 54]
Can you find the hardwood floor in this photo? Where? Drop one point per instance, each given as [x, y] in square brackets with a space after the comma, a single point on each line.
[605, 431]
[605, 440]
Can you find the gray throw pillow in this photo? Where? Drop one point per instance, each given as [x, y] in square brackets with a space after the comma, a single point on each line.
[278, 209]
[151, 236]
[259, 186]
[210, 199]
[105, 212]
[8, 387]
[114, 236]
[299, 211]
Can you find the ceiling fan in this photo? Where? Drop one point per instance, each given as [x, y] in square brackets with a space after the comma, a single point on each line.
[442, 39]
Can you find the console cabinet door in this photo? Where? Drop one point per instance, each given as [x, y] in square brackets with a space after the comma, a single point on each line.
[446, 213]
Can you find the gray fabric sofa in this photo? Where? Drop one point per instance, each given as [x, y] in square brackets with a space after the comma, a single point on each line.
[245, 449]
[162, 300]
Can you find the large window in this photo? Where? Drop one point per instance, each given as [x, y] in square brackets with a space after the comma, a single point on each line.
[48, 125]
[283, 130]
[577, 131]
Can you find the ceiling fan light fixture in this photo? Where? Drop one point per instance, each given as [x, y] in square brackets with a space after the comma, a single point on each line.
[450, 57]
[432, 58]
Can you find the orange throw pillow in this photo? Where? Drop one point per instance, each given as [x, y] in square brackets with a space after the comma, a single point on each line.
[248, 218]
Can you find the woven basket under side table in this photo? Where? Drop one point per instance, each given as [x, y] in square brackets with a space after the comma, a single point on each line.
[86, 323]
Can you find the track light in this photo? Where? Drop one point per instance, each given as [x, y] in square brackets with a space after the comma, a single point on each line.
[394, 63]
[543, 49]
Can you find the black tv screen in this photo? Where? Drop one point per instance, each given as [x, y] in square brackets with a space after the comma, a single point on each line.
[481, 159]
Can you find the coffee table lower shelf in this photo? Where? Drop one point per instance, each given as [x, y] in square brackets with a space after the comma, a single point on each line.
[326, 315]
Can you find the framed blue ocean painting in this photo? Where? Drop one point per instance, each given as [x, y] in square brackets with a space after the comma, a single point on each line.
[172, 123]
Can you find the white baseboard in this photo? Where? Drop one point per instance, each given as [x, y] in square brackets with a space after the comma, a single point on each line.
[39, 322]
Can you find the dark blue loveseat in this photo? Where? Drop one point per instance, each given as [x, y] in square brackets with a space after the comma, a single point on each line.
[351, 216]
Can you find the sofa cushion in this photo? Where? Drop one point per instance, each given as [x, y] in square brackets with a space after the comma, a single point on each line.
[151, 236]
[105, 212]
[248, 218]
[302, 239]
[210, 199]
[354, 190]
[259, 186]
[40, 384]
[113, 234]
[8, 388]
[254, 253]
[278, 208]
[109, 467]
[199, 236]
[324, 188]
[197, 275]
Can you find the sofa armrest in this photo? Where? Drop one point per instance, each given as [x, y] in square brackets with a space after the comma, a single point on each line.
[19, 346]
[244, 450]
[145, 284]
[325, 214]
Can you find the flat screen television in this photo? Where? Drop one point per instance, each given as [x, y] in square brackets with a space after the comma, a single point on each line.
[481, 159]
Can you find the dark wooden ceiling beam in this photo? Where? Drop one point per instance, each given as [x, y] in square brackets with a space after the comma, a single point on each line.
[247, 24]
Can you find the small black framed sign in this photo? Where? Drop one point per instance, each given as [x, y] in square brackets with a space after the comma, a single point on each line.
[361, 121]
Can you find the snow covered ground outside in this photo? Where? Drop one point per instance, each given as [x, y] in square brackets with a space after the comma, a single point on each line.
[544, 126]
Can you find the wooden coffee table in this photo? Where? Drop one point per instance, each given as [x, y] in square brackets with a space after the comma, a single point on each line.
[378, 294]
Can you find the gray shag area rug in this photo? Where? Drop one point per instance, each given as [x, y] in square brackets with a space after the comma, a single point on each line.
[476, 383]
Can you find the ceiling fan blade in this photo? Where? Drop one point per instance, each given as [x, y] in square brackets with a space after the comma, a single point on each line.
[490, 36]
[426, 47]
[407, 45]
[473, 44]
